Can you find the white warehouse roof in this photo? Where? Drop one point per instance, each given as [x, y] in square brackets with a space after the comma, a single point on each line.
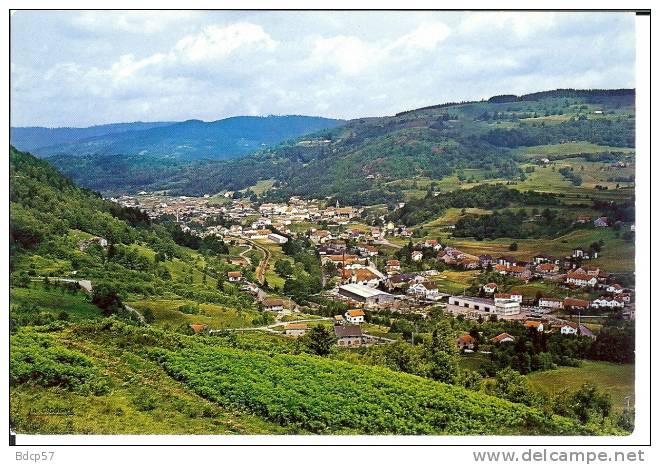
[361, 290]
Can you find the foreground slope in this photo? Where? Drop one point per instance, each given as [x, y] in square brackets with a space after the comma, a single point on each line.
[230, 386]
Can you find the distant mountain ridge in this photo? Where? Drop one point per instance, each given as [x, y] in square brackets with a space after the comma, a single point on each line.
[366, 160]
[34, 137]
[187, 140]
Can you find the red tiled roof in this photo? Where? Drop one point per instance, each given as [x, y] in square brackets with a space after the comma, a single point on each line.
[501, 337]
[546, 267]
[517, 269]
[356, 312]
[570, 302]
[579, 276]
[197, 327]
[296, 326]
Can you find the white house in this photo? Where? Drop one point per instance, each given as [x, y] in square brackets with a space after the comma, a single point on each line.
[425, 289]
[508, 298]
[549, 302]
[393, 265]
[614, 289]
[607, 302]
[295, 329]
[490, 288]
[569, 328]
[417, 256]
[273, 305]
[355, 316]
[534, 324]
[581, 279]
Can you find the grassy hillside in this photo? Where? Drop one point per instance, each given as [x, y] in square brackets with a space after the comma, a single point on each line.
[616, 379]
[116, 378]
[135, 397]
[51, 219]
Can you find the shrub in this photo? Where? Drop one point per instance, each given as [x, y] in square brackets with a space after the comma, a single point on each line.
[39, 359]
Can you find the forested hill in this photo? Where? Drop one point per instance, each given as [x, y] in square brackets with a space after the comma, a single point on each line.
[52, 221]
[363, 160]
[44, 205]
[358, 161]
[31, 138]
[192, 139]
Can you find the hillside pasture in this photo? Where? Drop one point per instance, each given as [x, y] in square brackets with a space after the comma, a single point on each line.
[617, 380]
[167, 314]
[54, 299]
[617, 255]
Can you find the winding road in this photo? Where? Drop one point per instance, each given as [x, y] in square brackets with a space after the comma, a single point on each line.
[86, 285]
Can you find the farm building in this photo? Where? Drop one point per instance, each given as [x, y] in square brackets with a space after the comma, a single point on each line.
[365, 294]
[473, 306]
[277, 238]
[295, 329]
[348, 336]
[274, 305]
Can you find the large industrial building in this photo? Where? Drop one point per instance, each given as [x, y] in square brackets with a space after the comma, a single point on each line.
[473, 307]
[365, 294]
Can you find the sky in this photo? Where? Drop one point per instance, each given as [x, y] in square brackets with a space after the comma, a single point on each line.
[80, 68]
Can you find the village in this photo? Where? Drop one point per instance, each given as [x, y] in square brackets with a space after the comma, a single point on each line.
[364, 268]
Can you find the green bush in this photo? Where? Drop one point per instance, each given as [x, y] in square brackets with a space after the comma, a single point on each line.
[39, 359]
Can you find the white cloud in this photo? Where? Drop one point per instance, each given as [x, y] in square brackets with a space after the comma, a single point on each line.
[348, 55]
[157, 66]
[134, 22]
[219, 42]
[427, 36]
[518, 25]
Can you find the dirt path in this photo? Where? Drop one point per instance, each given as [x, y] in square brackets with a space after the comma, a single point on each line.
[263, 265]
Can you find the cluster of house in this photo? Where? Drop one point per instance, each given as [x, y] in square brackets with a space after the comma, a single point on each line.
[325, 236]
[298, 210]
[466, 342]
[183, 208]
[569, 269]
[603, 302]
[615, 296]
[347, 329]
[454, 257]
[416, 285]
